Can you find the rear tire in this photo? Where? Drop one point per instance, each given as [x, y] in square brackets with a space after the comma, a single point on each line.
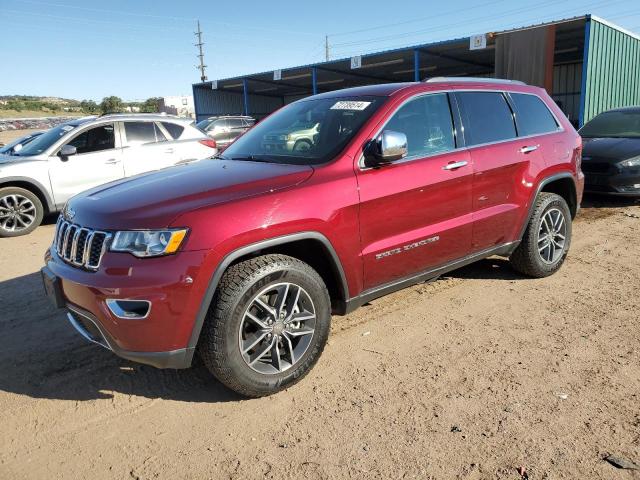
[546, 240]
[267, 326]
[21, 212]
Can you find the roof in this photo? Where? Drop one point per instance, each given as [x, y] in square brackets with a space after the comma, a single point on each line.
[144, 116]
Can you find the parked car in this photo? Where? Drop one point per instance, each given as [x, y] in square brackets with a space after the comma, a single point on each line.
[298, 137]
[10, 147]
[225, 129]
[611, 152]
[243, 259]
[87, 152]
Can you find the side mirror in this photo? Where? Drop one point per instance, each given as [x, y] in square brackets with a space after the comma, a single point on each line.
[388, 147]
[67, 151]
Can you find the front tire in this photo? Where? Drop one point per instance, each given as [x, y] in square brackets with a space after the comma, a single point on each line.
[267, 326]
[21, 212]
[546, 241]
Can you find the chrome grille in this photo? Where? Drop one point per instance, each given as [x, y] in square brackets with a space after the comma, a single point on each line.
[80, 246]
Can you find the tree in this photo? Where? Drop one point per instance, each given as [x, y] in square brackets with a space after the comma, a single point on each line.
[150, 105]
[89, 106]
[111, 105]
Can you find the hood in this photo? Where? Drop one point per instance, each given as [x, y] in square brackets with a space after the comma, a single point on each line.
[4, 158]
[154, 199]
[610, 149]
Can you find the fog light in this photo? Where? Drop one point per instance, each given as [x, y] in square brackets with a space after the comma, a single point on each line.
[129, 309]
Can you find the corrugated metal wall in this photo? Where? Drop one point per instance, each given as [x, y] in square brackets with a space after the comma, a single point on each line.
[567, 81]
[210, 102]
[613, 70]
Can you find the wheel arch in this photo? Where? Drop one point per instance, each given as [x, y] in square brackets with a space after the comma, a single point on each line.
[562, 184]
[310, 247]
[34, 187]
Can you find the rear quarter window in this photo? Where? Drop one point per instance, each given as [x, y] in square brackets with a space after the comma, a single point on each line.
[487, 117]
[532, 115]
[174, 130]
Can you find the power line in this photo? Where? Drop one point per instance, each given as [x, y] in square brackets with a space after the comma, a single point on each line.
[202, 67]
[442, 27]
[415, 20]
[166, 17]
[343, 52]
[103, 10]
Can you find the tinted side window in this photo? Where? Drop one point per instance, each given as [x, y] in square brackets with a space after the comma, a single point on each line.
[487, 117]
[235, 123]
[140, 132]
[95, 139]
[533, 115]
[427, 123]
[217, 124]
[174, 130]
[160, 137]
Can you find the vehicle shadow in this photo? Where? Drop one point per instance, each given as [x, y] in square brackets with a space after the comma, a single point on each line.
[594, 200]
[42, 356]
[493, 268]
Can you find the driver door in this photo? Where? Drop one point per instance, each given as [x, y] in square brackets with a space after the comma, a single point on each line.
[98, 160]
[415, 213]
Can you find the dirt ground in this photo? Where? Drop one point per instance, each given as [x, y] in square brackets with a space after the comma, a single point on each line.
[472, 376]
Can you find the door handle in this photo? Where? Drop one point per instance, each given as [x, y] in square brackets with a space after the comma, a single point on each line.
[529, 149]
[112, 161]
[455, 165]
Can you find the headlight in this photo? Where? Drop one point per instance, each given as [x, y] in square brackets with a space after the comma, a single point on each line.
[632, 162]
[283, 137]
[145, 243]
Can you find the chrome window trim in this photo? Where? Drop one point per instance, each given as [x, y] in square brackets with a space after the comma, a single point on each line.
[363, 168]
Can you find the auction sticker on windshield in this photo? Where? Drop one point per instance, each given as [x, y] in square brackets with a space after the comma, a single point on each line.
[350, 105]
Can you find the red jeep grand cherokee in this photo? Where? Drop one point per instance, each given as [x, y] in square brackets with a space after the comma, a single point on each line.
[243, 258]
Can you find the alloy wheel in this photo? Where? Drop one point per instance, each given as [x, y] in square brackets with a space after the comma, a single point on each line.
[17, 213]
[552, 236]
[277, 328]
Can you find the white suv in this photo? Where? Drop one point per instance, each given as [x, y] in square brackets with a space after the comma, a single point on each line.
[39, 177]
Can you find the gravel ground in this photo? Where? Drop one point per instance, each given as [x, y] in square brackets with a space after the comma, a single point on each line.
[481, 374]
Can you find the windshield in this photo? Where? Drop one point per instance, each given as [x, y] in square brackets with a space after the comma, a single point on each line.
[621, 123]
[8, 148]
[202, 124]
[44, 141]
[307, 132]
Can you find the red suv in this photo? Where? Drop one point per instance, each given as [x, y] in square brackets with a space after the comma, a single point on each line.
[243, 258]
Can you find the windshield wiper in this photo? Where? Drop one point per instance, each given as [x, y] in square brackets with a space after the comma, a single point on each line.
[251, 158]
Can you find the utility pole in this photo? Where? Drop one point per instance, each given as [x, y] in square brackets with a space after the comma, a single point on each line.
[326, 48]
[202, 66]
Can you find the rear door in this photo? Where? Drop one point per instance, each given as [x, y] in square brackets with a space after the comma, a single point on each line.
[146, 147]
[499, 166]
[98, 160]
[415, 214]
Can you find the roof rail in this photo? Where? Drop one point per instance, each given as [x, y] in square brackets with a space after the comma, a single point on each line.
[474, 80]
[137, 114]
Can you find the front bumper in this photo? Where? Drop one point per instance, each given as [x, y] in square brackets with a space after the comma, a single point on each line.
[174, 285]
[89, 327]
[622, 183]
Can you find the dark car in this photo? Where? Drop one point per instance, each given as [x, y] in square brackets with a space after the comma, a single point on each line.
[224, 130]
[242, 259]
[611, 152]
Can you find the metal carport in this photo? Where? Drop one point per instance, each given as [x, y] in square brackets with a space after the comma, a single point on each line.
[582, 88]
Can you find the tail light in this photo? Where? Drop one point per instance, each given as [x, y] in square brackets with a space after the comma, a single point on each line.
[209, 143]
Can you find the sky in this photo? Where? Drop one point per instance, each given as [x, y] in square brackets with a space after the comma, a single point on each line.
[137, 49]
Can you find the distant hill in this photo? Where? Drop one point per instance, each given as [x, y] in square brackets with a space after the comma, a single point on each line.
[66, 102]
